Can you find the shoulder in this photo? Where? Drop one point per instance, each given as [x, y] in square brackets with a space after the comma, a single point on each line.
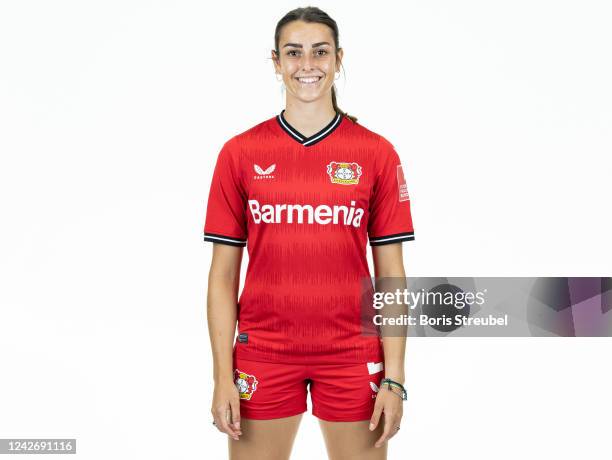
[370, 137]
[381, 147]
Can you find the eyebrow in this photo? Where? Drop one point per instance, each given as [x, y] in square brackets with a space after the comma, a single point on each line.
[298, 45]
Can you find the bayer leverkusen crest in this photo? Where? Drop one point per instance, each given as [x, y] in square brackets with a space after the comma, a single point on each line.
[344, 173]
[245, 383]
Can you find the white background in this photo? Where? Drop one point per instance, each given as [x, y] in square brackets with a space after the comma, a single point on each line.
[111, 117]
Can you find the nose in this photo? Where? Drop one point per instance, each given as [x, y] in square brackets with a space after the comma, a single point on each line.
[306, 61]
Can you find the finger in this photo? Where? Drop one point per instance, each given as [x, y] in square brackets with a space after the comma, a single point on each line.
[387, 430]
[378, 407]
[235, 409]
[396, 423]
[228, 421]
[222, 421]
[216, 422]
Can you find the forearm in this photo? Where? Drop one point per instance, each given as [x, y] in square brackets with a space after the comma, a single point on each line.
[394, 335]
[390, 276]
[395, 350]
[221, 314]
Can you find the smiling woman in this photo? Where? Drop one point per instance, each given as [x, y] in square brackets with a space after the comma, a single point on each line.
[308, 56]
[318, 186]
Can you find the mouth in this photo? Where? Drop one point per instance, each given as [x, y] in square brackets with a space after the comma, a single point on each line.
[307, 81]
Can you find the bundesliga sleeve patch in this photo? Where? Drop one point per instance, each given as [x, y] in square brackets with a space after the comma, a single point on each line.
[401, 184]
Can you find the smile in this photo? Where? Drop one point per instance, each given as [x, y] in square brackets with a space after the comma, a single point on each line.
[308, 80]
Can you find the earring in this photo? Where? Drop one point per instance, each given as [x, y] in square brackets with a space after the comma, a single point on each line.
[337, 76]
[277, 75]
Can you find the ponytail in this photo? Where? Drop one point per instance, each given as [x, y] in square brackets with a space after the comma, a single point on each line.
[337, 109]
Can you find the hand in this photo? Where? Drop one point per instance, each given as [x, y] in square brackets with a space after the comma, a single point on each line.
[391, 404]
[226, 409]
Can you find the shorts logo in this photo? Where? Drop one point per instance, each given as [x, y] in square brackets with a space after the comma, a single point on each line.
[373, 368]
[246, 384]
[264, 173]
[374, 388]
[401, 183]
[344, 173]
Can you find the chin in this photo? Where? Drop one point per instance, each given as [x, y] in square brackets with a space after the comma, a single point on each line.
[309, 96]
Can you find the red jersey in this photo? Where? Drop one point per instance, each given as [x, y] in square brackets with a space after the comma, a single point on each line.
[305, 208]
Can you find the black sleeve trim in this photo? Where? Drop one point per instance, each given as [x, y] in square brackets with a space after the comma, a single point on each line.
[224, 239]
[394, 238]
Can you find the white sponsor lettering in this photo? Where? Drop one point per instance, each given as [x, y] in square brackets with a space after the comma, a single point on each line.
[305, 214]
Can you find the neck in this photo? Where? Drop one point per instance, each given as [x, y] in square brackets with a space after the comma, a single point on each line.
[309, 117]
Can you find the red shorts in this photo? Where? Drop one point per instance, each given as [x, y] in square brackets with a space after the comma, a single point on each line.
[338, 392]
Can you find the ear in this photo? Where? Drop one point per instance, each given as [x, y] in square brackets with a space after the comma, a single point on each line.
[275, 60]
[339, 56]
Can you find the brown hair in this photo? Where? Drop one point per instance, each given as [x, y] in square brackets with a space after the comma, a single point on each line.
[316, 15]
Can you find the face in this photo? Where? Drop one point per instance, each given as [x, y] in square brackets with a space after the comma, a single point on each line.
[307, 60]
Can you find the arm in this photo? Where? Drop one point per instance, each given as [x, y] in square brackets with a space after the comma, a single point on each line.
[388, 262]
[222, 299]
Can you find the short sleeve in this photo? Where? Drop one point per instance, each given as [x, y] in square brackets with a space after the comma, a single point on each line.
[226, 211]
[390, 219]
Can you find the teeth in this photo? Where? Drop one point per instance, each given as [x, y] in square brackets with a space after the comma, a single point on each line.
[309, 79]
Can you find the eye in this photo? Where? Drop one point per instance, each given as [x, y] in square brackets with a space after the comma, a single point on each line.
[289, 53]
[321, 52]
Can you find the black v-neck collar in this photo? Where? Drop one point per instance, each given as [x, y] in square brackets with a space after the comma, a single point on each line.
[317, 137]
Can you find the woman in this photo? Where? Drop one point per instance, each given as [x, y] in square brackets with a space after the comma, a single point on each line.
[305, 189]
